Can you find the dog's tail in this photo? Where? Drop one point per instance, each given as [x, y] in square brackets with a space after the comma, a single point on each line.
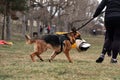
[27, 37]
[29, 40]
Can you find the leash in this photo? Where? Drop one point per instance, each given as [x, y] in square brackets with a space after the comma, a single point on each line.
[88, 21]
[85, 24]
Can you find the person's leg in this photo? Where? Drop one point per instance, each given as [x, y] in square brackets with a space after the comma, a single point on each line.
[108, 45]
[106, 49]
[114, 36]
[108, 40]
[116, 44]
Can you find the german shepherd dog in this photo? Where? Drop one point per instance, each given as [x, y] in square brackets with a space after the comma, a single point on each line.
[59, 43]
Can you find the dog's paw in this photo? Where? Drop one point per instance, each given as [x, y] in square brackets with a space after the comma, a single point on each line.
[41, 59]
[70, 61]
[50, 60]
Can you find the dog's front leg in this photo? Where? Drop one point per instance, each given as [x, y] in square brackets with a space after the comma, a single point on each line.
[68, 56]
[66, 50]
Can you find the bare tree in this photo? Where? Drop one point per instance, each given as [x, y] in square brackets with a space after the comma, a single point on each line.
[80, 11]
[62, 13]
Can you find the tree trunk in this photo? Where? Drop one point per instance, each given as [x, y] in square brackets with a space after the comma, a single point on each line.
[38, 27]
[8, 28]
[3, 28]
[7, 14]
[23, 26]
[31, 27]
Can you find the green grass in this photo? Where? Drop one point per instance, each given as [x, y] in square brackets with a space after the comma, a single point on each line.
[15, 64]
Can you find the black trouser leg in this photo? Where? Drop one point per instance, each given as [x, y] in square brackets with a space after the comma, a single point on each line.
[113, 28]
[116, 43]
[107, 45]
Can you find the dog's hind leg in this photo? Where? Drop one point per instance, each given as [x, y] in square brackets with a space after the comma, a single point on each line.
[38, 55]
[32, 56]
[35, 54]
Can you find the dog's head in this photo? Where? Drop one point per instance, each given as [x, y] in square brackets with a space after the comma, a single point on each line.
[75, 33]
[73, 36]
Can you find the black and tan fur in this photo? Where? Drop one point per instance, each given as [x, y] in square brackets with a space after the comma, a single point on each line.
[59, 43]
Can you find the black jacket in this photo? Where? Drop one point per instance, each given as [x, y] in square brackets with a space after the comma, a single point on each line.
[112, 8]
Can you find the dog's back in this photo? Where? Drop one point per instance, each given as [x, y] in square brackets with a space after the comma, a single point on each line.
[52, 40]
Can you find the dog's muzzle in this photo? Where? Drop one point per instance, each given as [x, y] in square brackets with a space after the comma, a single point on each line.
[82, 45]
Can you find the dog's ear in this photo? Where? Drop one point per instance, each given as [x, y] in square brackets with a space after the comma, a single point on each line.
[73, 29]
[27, 37]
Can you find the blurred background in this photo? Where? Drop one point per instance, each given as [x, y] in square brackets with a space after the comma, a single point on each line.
[20, 17]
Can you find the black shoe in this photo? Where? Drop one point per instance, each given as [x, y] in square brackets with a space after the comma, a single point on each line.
[100, 60]
[113, 61]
